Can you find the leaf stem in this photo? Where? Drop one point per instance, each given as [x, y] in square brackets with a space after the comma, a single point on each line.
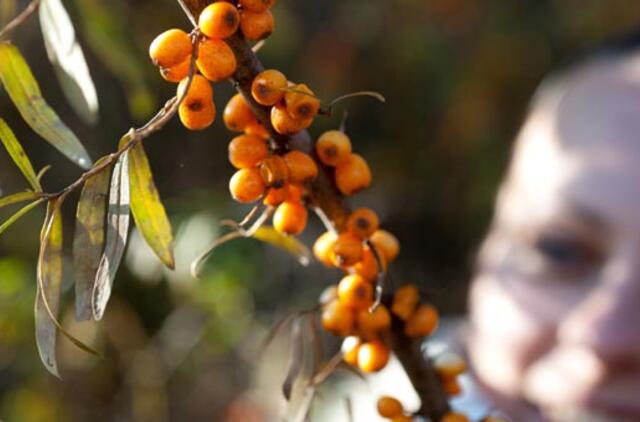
[20, 18]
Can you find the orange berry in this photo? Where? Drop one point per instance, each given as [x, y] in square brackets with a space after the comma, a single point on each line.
[257, 129]
[350, 347]
[246, 185]
[257, 5]
[373, 356]
[238, 115]
[274, 170]
[355, 292]
[347, 250]
[451, 386]
[402, 418]
[276, 196]
[368, 266]
[323, 248]
[386, 244]
[422, 322]
[362, 222]
[337, 318]
[216, 60]
[219, 20]
[295, 192]
[170, 48]
[197, 115]
[405, 300]
[454, 417]
[373, 322]
[332, 147]
[290, 218]
[268, 87]
[256, 25]
[284, 124]
[449, 365]
[178, 72]
[246, 151]
[301, 166]
[352, 174]
[301, 102]
[328, 295]
[389, 407]
[197, 110]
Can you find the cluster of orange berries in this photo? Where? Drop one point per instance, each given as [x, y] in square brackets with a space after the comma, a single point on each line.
[449, 366]
[391, 408]
[352, 173]
[172, 52]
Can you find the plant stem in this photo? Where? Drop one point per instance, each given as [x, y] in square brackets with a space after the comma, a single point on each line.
[21, 18]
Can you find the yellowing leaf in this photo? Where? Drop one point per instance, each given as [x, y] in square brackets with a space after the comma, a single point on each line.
[288, 243]
[146, 206]
[88, 241]
[48, 290]
[17, 197]
[18, 155]
[116, 236]
[24, 91]
[66, 55]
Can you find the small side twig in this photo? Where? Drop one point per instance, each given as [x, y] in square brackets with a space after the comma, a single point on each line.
[20, 18]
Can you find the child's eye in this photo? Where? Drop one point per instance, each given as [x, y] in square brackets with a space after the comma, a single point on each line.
[566, 253]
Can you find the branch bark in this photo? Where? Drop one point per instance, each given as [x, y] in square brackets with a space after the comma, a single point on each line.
[326, 196]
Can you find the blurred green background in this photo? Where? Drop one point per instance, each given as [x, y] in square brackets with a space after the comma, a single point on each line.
[457, 75]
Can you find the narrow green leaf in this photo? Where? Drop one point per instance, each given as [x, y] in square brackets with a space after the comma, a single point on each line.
[115, 238]
[48, 290]
[89, 237]
[66, 55]
[17, 197]
[147, 209]
[24, 91]
[287, 243]
[15, 217]
[18, 155]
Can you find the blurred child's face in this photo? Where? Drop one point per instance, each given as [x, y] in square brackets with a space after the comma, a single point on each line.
[555, 306]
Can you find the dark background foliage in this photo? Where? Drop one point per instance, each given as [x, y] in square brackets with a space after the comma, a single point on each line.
[457, 75]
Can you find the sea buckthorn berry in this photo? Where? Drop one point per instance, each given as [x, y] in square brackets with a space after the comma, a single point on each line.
[301, 102]
[284, 124]
[337, 318]
[301, 166]
[386, 244]
[256, 25]
[275, 172]
[405, 300]
[295, 192]
[323, 248]
[355, 292]
[257, 5]
[328, 295]
[363, 222]
[178, 72]
[347, 250]
[276, 196]
[257, 129]
[352, 174]
[246, 185]
[454, 417]
[219, 20]
[422, 322]
[373, 322]
[216, 60]
[368, 266]
[290, 218]
[350, 347]
[196, 114]
[451, 386]
[246, 151]
[402, 418]
[268, 87]
[200, 89]
[170, 48]
[449, 365]
[332, 147]
[373, 356]
[238, 115]
[389, 407]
